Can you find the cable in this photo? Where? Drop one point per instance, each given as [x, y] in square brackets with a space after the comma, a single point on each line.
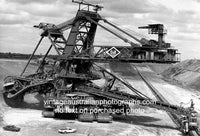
[130, 31]
[115, 33]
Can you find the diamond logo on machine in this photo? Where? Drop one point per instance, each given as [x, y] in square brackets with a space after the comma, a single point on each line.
[113, 52]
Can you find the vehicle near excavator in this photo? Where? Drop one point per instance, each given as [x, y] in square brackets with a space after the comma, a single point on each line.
[67, 130]
[69, 87]
[189, 123]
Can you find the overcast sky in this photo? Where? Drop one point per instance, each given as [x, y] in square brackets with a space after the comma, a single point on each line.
[180, 17]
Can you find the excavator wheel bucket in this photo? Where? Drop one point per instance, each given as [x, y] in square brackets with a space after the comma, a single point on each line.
[13, 102]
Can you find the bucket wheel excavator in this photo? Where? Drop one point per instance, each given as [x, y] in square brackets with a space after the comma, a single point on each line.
[71, 85]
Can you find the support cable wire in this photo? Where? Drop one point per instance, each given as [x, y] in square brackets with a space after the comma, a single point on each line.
[131, 31]
[121, 30]
[111, 29]
[136, 33]
[116, 34]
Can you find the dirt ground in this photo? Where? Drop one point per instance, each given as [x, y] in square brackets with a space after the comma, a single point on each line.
[185, 73]
[150, 122]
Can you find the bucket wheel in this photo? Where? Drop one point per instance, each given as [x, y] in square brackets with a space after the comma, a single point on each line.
[10, 90]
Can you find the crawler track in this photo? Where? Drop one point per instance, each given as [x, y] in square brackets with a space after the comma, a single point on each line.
[159, 97]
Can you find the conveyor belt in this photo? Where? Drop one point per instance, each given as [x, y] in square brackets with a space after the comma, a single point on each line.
[174, 117]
